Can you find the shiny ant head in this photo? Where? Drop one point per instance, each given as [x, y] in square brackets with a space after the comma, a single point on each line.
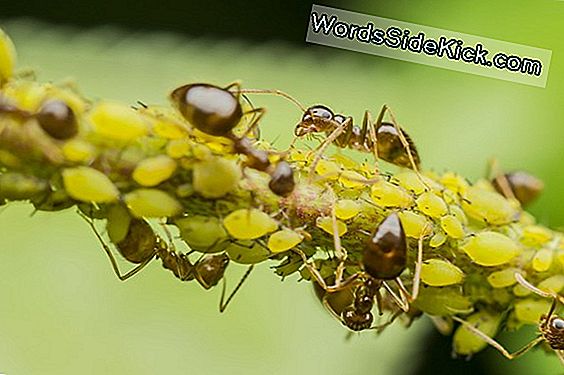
[314, 120]
[210, 109]
[552, 328]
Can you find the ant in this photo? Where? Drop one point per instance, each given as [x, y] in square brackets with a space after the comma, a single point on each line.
[216, 111]
[551, 326]
[386, 140]
[141, 245]
[518, 185]
[54, 116]
[384, 259]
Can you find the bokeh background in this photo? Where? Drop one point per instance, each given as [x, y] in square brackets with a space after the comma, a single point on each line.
[62, 311]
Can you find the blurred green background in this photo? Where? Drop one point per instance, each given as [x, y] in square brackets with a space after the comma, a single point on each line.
[62, 310]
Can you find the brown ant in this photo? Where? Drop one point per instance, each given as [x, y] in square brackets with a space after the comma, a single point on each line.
[54, 116]
[551, 327]
[385, 140]
[384, 259]
[141, 245]
[519, 185]
[216, 111]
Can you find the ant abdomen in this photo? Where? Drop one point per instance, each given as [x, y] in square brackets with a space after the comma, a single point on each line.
[139, 243]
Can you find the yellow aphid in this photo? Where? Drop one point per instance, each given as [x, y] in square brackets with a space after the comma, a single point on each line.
[352, 180]
[89, 185]
[153, 171]
[502, 278]
[78, 151]
[169, 130]
[535, 235]
[459, 214]
[283, 240]
[344, 161]
[247, 252]
[553, 284]
[7, 57]
[443, 301]
[488, 206]
[248, 224]
[297, 155]
[525, 218]
[326, 223]
[438, 272]
[117, 122]
[491, 249]
[118, 222]
[202, 233]
[454, 182]
[415, 225]
[520, 291]
[215, 177]
[346, 209]
[465, 342]
[438, 239]
[28, 95]
[542, 260]
[410, 181]
[386, 194]
[432, 205]
[152, 203]
[178, 148]
[328, 169]
[452, 226]
[529, 311]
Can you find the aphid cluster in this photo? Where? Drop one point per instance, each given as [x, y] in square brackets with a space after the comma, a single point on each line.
[410, 243]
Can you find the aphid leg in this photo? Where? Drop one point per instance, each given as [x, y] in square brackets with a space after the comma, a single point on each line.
[113, 260]
[328, 141]
[222, 305]
[496, 344]
[521, 280]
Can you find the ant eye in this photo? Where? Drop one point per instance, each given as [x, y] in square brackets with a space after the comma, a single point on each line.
[320, 111]
[558, 324]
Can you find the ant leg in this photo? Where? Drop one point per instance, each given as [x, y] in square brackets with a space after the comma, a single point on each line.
[521, 280]
[236, 85]
[274, 92]
[494, 173]
[339, 285]
[418, 266]
[321, 149]
[496, 344]
[403, 140]
[339, 251]
[108, 252]
[380, 328]
[402, 303]
[222, 305]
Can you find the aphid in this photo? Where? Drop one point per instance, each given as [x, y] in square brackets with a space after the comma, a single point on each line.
[384, 258]
[141, 245]
[54, 116]
[216, 111]
[550, 326]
